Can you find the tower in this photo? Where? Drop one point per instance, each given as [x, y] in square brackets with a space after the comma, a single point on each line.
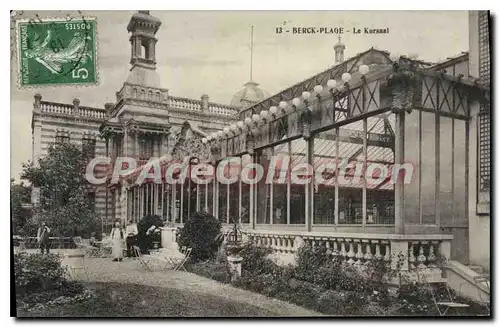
[339, 51]
[143, 27]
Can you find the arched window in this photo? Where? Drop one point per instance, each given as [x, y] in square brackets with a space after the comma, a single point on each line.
[158, 96]
[134, 92]
[150, 95]
[143, 94]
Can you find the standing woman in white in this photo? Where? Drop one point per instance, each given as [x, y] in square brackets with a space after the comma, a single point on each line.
[117, 236]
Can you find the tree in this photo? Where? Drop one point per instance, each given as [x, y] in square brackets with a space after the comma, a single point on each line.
[20, 195]
[63, 202]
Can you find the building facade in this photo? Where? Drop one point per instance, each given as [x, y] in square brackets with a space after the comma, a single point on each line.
[480, 140]
[374, 114]
[422, 124]
[144, 122]
[54, 122]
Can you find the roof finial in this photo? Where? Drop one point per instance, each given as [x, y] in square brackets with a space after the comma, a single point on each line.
[251, 51]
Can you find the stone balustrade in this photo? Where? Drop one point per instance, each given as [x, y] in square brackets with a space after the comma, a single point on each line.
[184, 103]
[200, 105]
[411, 254]
[408, 253]
[66, 109]
[221, 109]
[91, 112]
[56, 108]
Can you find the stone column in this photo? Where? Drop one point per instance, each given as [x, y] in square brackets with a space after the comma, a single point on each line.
[37, 141]
[309, 192]
[398, 160]
[168, 240]
[136, 145]
[164, 144]
[124, 203]
[112, 152]
[132, 49]
[151, 45]
[125, 142]
[138, 47]
[234, 266]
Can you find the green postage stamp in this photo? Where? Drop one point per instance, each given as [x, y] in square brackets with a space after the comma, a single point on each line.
[57, 52]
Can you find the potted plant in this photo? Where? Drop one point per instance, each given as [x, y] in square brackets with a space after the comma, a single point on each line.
[155, 234]
[234, 245]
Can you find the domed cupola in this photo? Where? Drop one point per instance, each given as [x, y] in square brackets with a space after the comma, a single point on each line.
[249, 95]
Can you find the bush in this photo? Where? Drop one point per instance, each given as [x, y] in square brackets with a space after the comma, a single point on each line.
[416, 300]
[213, 270]
[201, 233]
[342, 303]
[255, 260]
[37, 273]
[40, 279]
[310, 259]
[145, 242]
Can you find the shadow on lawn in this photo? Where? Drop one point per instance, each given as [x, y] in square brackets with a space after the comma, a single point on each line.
[131, 300]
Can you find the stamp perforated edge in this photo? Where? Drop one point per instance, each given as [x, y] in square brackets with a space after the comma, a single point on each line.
[39, 86]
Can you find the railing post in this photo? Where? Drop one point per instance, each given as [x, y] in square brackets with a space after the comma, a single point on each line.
[204, 103]
[445, 249]
[297, 244]
[399, 255]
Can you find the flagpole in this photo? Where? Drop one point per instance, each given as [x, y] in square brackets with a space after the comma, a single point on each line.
[251, 51]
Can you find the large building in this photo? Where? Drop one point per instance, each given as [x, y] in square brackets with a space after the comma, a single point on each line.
[368, 111]
[371, 112]
[145, 120]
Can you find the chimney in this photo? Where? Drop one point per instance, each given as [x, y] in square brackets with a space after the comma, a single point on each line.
[204, 102]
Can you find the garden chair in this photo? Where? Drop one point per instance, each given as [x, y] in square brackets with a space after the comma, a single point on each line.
[88, 250]
[145, 260]
[484, 280]
[78, 265]
[180, 262]
[442, 305]
[92, 251]
[78, 242]
[138, 255]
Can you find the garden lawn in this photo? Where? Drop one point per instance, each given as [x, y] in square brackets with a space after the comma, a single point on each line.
[132, 300]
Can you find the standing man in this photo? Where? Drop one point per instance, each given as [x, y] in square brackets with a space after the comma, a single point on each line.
[43, 237]
[131, 231]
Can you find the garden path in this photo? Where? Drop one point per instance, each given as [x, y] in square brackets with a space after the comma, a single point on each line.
[130, 271]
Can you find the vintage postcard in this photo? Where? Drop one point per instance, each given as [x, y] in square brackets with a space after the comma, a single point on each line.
[251, 163]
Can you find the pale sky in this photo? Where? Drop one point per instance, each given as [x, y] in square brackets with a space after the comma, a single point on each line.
[208, 52]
